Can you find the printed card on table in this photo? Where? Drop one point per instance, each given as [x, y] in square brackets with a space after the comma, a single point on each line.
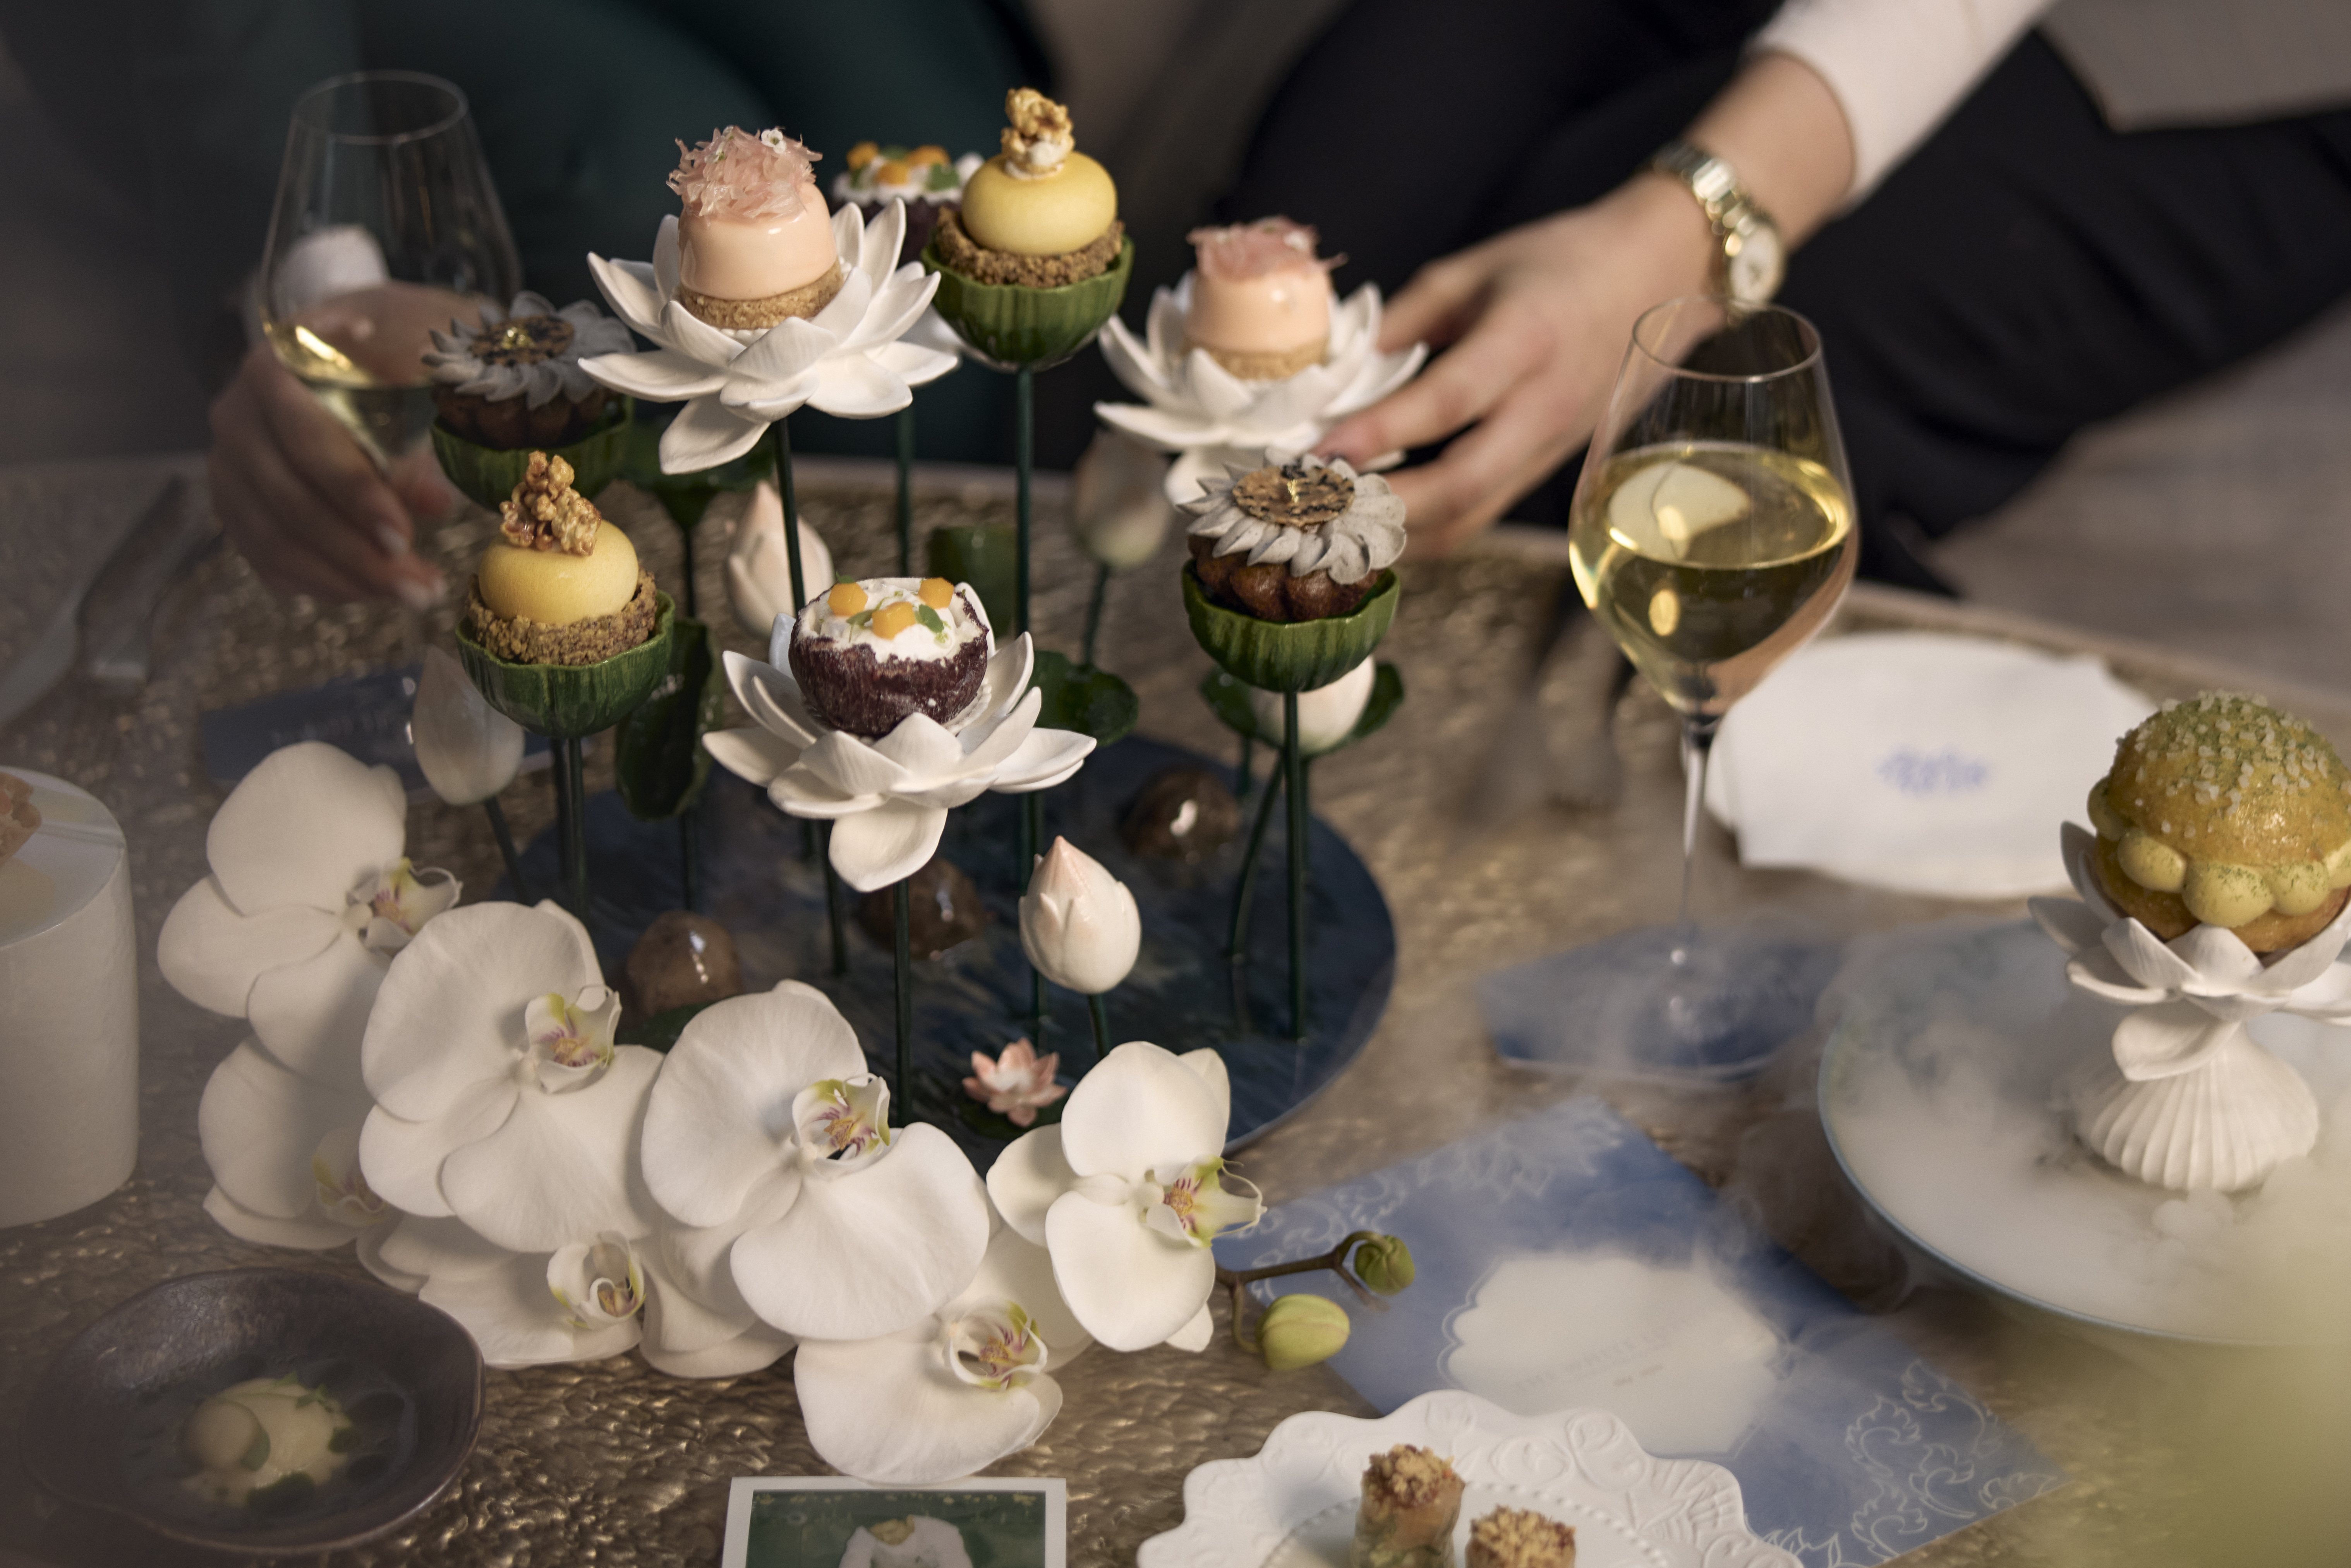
[1564, 1260]
[829, 1521]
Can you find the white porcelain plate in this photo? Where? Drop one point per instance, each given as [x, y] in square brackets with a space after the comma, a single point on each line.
[1293, 1505]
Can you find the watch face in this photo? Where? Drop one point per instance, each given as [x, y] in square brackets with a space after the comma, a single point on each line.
[1756, 262]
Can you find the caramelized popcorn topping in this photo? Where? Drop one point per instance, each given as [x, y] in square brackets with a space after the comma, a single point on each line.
[1041, 134]
[1520, 1538]
[1294, 494]
[1408, 1477]
[546, 513]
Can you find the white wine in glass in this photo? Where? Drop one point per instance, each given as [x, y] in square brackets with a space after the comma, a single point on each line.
[386, 225]
[1712, 534]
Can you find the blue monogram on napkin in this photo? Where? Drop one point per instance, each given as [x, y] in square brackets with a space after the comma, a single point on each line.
[1566, 1260]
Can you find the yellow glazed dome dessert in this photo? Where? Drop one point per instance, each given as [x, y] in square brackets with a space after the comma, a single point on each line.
[561, 585]
[1040, 213]
[2227, 812]
[754, 242]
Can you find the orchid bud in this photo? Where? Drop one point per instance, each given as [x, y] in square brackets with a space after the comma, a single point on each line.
[759, 568]
[1326, 716]
[1299, 1330]
[1077, 923]
[1384, 1263]
[469, 749]
[1118, 501]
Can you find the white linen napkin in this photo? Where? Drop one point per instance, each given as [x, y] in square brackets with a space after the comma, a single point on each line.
[1920, 761]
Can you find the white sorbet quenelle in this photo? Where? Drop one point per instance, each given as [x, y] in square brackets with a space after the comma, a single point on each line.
[1128, 1191]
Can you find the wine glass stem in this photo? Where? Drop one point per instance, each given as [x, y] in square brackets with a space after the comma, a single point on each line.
[1697, 745]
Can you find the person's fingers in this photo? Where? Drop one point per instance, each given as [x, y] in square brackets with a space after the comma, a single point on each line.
[326, 455]
[417, 478]
[1483, 473]
[283, 569]
[1437, 305]
[1461, 385]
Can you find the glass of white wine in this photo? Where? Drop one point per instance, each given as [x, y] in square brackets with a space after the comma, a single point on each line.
[386, 225]
[1712, 534]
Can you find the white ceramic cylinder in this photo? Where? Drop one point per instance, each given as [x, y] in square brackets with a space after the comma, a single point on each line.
[68, 1009]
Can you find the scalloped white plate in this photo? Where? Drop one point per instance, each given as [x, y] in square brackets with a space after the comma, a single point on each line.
[1293, 1505]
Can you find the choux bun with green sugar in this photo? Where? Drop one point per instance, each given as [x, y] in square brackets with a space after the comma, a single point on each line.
[2224, 812]
[559, 585]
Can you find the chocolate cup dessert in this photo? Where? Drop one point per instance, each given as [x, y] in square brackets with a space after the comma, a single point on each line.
[510, 424]
[1269, 591]
[853, 688]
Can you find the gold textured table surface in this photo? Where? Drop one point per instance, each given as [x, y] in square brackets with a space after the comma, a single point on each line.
[612, 1463]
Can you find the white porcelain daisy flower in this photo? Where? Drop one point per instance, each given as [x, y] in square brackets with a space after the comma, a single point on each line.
[950, 1395]
[849, 358]
[888, 800]
[1214, 420]
[765, 1123]
[501, 1098]
[1128, 1191]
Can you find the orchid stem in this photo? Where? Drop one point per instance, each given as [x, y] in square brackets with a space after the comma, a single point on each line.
[1102, 1026]
[506, 849]
[832, 918]
[1094, 614]
[1237, 940]
[1236, 1281]
[791, 512]
[907, 491]
[1024, 401]
[1032, 835]
[1293, 767]
[902, 917]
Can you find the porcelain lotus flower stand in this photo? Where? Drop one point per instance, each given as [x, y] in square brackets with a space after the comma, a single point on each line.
[2190, 1100]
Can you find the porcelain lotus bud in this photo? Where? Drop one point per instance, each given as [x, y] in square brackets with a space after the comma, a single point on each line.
[469, 749]
[1118, 501]
[1326, 714]
[759, 571]
[1079, 923]
[1301, 1329]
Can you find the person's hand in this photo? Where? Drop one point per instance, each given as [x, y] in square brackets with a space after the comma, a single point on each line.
[305, 505]
[1533, 324]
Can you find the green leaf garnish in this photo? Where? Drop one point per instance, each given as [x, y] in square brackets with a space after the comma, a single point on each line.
[340, 1443]
[942, 177]
[930, 618]
[891, 152]
[862, 620]
[257, 1453]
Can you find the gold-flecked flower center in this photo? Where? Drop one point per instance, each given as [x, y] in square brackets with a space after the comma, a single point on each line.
[1294, 494]
[526, 340]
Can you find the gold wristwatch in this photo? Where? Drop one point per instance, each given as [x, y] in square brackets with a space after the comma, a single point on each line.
[1753, 258]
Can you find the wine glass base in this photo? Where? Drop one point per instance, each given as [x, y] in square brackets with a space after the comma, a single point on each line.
[1710, 1005]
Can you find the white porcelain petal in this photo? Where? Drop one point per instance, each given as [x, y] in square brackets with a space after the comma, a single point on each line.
[888, 1411]
[2168, 1039]
[706, 435]
[913, 364]
[2219, 960]
[212, 953]
[873, 1251]
[753, 754]
[562, 1166]
[1046, 758]
[1130, 1286]
[305, 827]
[801, 793]
[854, 386]
[658, 375]
[923, 747]
[1025, 1179]
[779, 359]
[887, 844]
[1139, 1110]
[1173, 429]
[720, 1117]
[2146, 959]
[630, 290]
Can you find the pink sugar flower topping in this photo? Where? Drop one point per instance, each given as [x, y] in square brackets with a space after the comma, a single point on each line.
[1017, 1083]
[738, 175]
[1254, 250]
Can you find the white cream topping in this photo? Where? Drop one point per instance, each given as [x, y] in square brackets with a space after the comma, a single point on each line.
[934, 634]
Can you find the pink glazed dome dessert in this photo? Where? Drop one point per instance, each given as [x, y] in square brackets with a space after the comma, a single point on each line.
[755, 240]
[1260, 303]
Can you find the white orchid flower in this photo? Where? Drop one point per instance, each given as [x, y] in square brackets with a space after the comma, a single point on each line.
[1326, 714]
[310, 894]
[2193, 992]
[1079, 923]
[765, 1121]
[501, 1098]
[950, 1395]
[1118, 501]
[1128, 1190]
[284, 1154]
[758, 569]
[888, 800]
[1215, 420]
[846, 360]
[583, 1301]
[469, 749]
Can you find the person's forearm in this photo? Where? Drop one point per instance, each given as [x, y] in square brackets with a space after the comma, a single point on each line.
[1781, 129]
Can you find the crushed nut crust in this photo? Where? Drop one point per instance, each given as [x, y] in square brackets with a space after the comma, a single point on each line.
[546, 513]
[969, 258]
[1408, 1477]
[1294, 494]
[1520, 1538]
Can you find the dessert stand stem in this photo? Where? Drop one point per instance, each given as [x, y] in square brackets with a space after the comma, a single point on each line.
[571, 822]
[900, 922]
[1237, 943]
[1294, 769]
[1243, 782]
[832, 918]
[1032, 833]
[1025, 404]
[506, 849]
[689, 857]
[809, 837]
[907, 491]
[1094, 614]
[1102, 1025]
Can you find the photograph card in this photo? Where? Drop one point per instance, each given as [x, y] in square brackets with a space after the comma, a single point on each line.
[831, 1521]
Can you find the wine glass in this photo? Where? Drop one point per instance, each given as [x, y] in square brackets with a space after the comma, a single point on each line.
[386, 224]
[1712, 534]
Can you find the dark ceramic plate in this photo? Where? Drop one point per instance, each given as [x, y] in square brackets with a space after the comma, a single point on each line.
[101, 1428]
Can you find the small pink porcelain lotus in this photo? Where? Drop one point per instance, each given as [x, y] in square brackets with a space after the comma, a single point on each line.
[2191, 1100]
[1017, 1083]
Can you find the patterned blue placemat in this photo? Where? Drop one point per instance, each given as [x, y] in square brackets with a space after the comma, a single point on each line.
[1565, 1260]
